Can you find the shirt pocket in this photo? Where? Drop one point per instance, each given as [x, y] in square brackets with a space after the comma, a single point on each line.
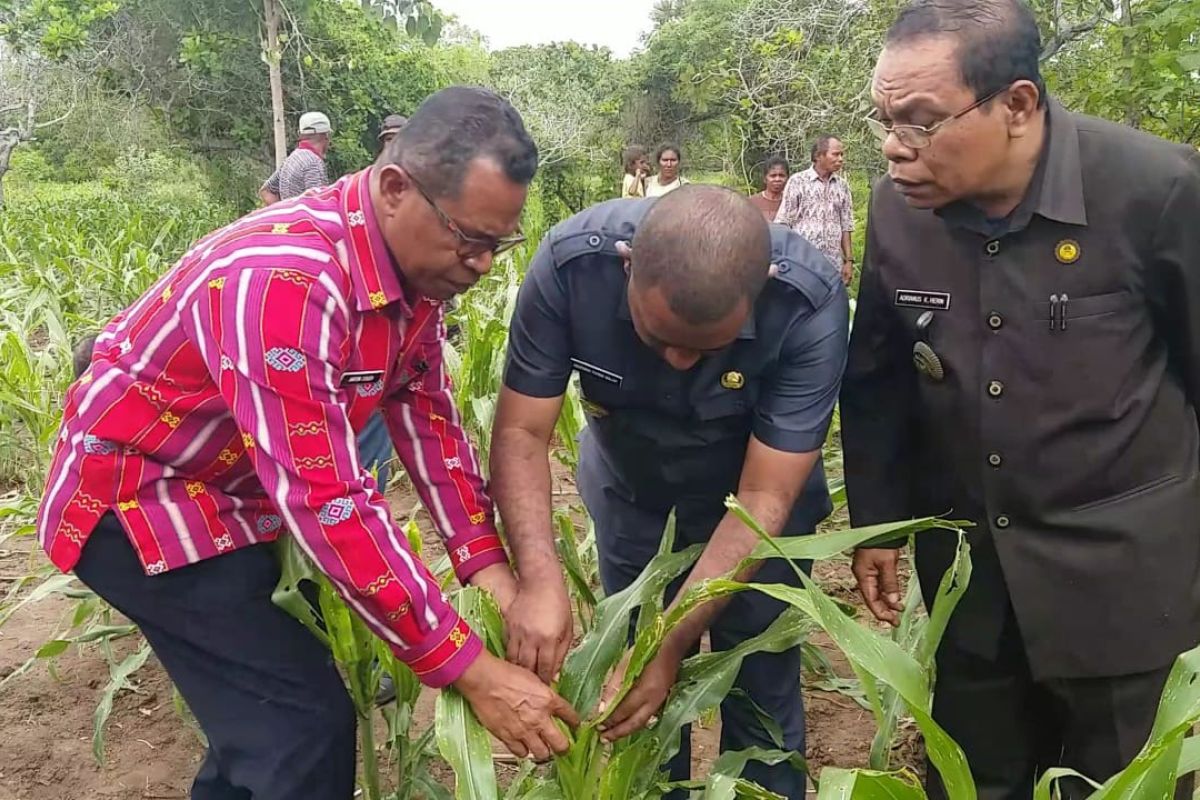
[1087, 351]
[1074, 309]
[722, 402]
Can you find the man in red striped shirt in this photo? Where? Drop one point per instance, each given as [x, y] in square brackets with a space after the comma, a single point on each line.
[220, 409]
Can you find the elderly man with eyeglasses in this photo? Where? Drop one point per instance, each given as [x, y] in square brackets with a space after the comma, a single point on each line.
[1026, 356]
[218, 413]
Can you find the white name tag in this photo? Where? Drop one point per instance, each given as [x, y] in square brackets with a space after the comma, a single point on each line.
[597, 372]
[359, 378]
[919, 298]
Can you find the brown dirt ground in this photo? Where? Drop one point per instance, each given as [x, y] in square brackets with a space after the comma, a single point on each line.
[152, 752]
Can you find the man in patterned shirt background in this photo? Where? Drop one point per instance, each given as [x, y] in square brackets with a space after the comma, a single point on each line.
[219, 410]
[304, 169]
[818, 206]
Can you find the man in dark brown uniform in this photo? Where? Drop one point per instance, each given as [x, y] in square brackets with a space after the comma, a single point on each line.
[1026, 355]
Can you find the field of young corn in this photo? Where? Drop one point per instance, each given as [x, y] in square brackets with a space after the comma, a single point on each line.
[71, 256]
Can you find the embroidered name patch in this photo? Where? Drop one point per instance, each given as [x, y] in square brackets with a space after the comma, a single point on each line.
[919, 298]
[597, 372]
[361, 377]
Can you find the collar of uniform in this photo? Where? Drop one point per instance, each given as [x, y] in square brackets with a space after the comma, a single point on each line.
[1061, 195]
[1055, 190]
[372, 270]
[623, 312]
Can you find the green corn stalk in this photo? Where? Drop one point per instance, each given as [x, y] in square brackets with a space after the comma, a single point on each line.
[463, 741]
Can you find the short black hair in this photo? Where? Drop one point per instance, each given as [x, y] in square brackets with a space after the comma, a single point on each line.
[706, 248]
[998, 40]
[821, 145]
[454, 127]
[81, 355]
[674, 148]
[776, 161]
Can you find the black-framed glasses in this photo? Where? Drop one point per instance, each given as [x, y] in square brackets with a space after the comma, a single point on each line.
[469, 246]
[916, 137]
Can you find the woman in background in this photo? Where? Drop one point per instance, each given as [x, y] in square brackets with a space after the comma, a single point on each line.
[668, 178]
[637, 169]
[775, 178]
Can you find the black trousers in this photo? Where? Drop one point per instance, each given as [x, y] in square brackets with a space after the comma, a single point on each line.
[266, 693]
[1013, 727]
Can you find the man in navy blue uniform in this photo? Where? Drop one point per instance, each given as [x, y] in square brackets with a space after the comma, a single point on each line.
[710, 348]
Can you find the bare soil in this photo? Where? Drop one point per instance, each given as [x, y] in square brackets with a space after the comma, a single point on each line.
[152, 752]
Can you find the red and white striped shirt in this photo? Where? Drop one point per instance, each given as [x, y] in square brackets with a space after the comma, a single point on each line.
[221, 408]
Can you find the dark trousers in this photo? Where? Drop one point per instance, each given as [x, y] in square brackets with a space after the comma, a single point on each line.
[1013, 727]
[627, 537]
[266, 693]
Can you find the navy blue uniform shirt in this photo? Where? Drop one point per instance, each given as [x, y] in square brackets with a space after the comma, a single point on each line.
[672, 436]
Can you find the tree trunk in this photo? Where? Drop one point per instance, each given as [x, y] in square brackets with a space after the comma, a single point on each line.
[9, 139]
[1133, 116]
[273, 58]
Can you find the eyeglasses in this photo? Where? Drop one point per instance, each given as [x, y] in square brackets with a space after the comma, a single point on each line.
[469, 246]
[916, 137]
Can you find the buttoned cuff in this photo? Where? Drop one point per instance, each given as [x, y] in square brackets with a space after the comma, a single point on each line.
[447, 652]
[474, 550]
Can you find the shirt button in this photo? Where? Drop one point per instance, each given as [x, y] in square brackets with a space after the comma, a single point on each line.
[995, 388]
[994, 459]
[995, 321]
[992, 247]
[1003, 521]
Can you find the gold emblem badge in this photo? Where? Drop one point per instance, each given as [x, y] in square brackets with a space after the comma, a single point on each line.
[1067, 251]
[733, 380]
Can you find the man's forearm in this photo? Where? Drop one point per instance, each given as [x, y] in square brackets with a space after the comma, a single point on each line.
[731, 543]
[847, 247]
[520, 487]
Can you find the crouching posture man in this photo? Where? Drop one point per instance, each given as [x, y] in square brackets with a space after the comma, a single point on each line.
[220, 409]
[704, 374]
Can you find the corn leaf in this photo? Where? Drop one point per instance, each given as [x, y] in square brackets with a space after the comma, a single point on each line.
[861, 784]
[877, 658]
[1153, 773]
[588, 665]
[461, 738]
[921, 640]
[118, 678]
[820, 546]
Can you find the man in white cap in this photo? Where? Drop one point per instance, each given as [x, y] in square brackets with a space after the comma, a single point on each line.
[304, 169]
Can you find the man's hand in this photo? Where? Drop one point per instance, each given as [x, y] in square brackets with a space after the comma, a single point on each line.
[875, 570]
[516, 707]
[644, 700]
[540, 626]
[847, 271]
[500, 581]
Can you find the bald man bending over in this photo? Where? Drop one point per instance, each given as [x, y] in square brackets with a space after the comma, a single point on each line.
[710, 347]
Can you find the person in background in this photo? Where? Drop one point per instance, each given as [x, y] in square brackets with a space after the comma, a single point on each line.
[304, 169]
[217, 414]
[710, 348]
[392, 124]
[775, 177]
[668, 179]
[817, 205]
[637, 168]
[1026, 357]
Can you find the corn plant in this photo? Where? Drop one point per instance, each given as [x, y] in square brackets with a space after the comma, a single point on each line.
[364, 660]
[632, 768]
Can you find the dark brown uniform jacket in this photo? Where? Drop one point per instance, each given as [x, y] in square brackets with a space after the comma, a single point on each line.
[1066, 429]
